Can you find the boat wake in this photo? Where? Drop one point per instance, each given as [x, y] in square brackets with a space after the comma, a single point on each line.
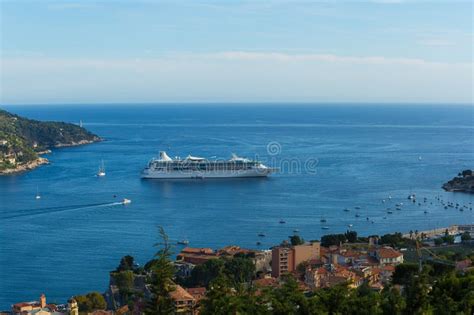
[49, 210]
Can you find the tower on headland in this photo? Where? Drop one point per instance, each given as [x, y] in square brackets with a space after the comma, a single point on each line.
[43, 301]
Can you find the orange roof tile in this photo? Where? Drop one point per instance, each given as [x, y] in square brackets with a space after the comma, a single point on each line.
[388, 252]
[180, 294]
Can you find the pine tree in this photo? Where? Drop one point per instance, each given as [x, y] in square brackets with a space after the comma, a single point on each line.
[162, 271]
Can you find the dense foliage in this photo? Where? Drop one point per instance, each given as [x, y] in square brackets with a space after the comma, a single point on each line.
[90, 302]
[336, 239]
[25, 137]
[161, 283]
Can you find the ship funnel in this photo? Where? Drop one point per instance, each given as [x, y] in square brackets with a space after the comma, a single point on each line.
[164, 156]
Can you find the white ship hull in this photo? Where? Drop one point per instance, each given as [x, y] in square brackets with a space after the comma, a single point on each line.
[199, 168]
[154, 174]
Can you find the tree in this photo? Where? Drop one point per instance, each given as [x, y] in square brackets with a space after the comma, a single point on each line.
[219, 298]
[466, 173]
[239, 269]
[453, 294]
[351, 236]
[404, 273]
[392, 301]
[126, 263]
[203, 274]
[288, 299]
[335, 299]
[90, 302]
[438, 241]
[296, 240]
[124, 281]
[332, 239]
[417, 295]
[161, 284]
[364, 300]
[449, 239]
[466, 236]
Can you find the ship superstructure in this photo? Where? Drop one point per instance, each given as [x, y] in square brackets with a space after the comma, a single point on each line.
[197, 167]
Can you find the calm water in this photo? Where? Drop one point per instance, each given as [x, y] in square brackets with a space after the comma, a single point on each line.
[66, 243]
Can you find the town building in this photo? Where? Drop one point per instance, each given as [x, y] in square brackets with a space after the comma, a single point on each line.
[387, 255]
[286, 258]
[40, 308]
[196, 256]
[184, 302]
[198, 293]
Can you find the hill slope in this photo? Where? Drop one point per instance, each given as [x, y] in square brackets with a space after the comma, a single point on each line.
[21, 140]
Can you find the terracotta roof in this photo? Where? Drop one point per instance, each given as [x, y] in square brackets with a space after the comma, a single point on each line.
[23, 304]
[266, 282]
[388, 268]
[388, 252]
[349, 253]
[123, 310]
[197, 293]
[192, 250]
[180, 294]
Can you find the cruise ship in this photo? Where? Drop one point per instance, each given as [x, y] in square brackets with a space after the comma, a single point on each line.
[199, 168]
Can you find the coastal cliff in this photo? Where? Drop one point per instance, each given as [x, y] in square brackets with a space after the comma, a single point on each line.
[23, 140]
[464, 182]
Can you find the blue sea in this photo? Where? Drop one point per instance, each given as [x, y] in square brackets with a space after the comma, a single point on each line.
[331, 157]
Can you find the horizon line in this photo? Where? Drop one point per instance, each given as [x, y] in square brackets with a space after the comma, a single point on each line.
[247, 103]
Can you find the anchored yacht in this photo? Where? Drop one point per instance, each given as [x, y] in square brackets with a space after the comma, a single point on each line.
[200, 168]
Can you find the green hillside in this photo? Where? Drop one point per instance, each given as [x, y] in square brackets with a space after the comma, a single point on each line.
[21, 139]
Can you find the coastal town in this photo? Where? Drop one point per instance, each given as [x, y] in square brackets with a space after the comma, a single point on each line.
[336, 260]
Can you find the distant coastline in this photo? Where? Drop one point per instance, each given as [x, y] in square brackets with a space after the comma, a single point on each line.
[23, 141]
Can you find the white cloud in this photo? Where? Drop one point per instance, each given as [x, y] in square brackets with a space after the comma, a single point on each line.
[234, 76]
[284, 57]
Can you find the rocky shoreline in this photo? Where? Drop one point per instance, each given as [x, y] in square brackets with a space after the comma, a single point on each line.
[464, 182]
[42, 160]
[25, 167]
[75, 144]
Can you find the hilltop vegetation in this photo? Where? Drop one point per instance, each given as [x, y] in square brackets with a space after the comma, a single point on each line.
[21, 140]
[464, 182]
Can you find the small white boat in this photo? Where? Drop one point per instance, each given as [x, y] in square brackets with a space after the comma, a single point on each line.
[183, 242]
[38, 196]
[101, 171]
[325, 227]
[126, 201]
[349, 225]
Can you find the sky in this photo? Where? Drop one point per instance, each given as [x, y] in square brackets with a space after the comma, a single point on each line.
[393, 51]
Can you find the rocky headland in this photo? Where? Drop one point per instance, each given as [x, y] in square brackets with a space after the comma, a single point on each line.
[23, 141]
[464, 182]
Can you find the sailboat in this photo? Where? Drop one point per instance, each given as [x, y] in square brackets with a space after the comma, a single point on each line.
[101, 171]
[38, 196]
